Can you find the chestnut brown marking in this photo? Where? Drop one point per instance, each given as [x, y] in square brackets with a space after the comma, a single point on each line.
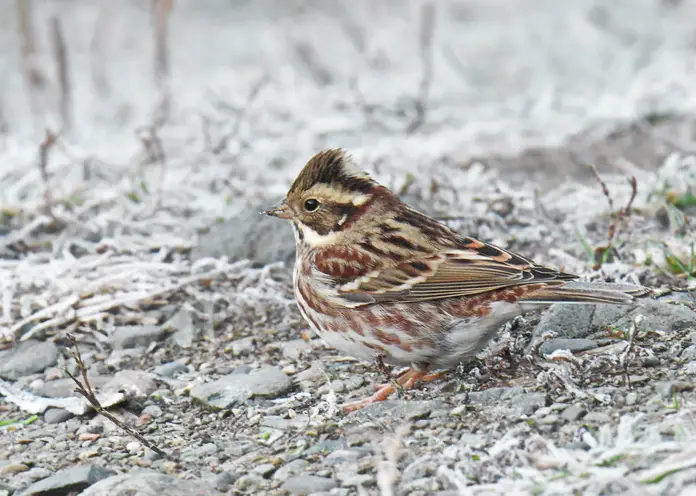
[406, 347]
[376, 347]
[386, 338]
[343, 262]
[473, 244]
[351, 323]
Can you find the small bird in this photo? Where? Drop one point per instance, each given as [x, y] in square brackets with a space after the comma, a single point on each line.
[385, 283]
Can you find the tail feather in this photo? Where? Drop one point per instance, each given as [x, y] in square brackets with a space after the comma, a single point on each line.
[587, 293]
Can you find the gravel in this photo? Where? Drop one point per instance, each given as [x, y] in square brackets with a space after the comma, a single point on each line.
[140, 252]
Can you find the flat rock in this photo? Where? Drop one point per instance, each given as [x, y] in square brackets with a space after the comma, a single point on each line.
[70, 480]
[292, 350]
[249, 235]
[235, 389]
[29, 357]
[169, 369]
[308, 484]
[573, 345]
[125, 337]
[62, 388]
[56, 415]
[494, 396]
[580, 321]
[398, 409]
[135, 382]
[181, 325]
[149, 483]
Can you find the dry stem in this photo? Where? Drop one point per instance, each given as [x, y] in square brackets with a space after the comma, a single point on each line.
[87, 391]
[61, 56]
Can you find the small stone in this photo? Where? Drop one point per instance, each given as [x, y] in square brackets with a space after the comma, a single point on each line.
[56, 415]
[327, 446]
[133, 447]
[573, 345]
[14, 468]
[494, 396]
[597, 418]
[264, 469]
[26, 358]
[313, 373]
[145, 482]
[244, 346]
[291, 468]
[235, 389]
[292, 350]
[248, 236]
[528, 403]
[125, 337]
[181, 324]
[573, 413]
[138, 383]
[669, 388]
[631, 398]
[70, 480]
[222, 482]
[62, 388]
[169, 369]
[354, 480]
[550, 419]
[152, 410]
[638, 379]
[308, 484]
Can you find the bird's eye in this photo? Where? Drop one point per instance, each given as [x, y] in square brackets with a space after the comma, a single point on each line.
[311, 205]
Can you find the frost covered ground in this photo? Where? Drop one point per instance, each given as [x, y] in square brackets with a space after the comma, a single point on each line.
[134, 228]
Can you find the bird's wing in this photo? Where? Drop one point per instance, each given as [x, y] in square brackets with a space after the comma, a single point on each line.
[476, 268]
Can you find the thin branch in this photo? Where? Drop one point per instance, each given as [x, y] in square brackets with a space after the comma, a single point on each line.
[87, 391]
[44, 152]
[253, 95]
[61, 56]
[427, 29]
[161, 11]
[34, 79]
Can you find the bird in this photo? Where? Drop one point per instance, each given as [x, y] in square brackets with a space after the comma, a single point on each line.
[387, 284]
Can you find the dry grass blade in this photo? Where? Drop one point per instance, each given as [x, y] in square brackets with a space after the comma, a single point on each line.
[85, 389]
[427, 29]
[45, 148]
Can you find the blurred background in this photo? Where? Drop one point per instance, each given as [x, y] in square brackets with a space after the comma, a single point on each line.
[212, 105]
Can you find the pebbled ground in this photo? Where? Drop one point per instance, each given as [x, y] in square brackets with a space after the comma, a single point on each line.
[144, 243]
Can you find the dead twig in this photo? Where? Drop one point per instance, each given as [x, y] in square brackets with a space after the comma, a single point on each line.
[161, 11]
[154, 154]
[45, 148]
[618, 219]
[624, 360]
[253, 95]
[61, 55]
[87, 391]
[427, 28]
[33, 77]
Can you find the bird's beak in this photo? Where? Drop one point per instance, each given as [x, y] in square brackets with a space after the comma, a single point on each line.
[282, 211]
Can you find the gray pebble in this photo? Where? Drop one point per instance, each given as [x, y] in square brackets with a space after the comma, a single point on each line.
[74, 479]
[181, 324]
[597, 418]
[308, 484]
[149, 483]
[528, 403]
[125, 337]
[493, 396]
[292, 350]
[169, 369]
[631, 398]
[249, 235]
[573, 413]
[573, 345]
[152, 410]
[236, 389]
[291, 468]
[26, 358]
[56, 415]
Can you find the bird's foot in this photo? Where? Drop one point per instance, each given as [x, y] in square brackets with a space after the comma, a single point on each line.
[403, 382]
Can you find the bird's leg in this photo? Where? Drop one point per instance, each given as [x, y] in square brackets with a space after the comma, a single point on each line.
[405, 381]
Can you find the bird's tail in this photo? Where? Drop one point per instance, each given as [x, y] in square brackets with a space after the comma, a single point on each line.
[587, 293]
